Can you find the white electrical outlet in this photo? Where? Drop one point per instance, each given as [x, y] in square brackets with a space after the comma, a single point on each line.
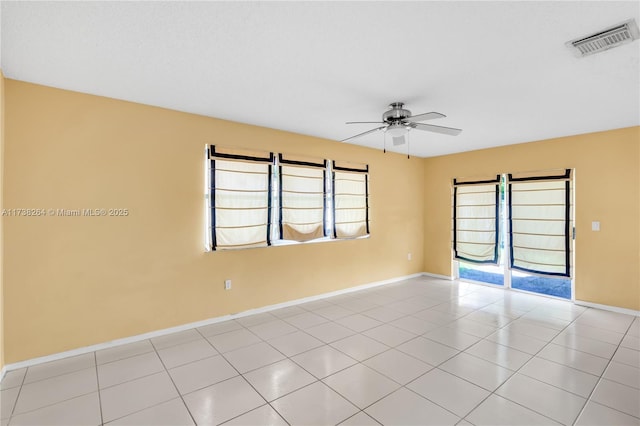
[595, 226]
[227, 284]
[408, 256]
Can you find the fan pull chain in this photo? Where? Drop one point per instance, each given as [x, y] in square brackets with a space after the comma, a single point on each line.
[408, 139]
[384, 143]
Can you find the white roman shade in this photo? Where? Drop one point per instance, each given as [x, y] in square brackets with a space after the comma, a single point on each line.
[240, 198]
[351, 200]
[302, 198]
[476, 220]
[540, 223]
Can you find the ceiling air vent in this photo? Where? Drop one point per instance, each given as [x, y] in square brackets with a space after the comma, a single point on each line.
[605, 39]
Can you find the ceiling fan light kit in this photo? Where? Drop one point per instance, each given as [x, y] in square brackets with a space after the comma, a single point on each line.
[398, 121]
[397, 130]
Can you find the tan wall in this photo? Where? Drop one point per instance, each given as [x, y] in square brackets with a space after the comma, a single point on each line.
[77, 281]
[606, 166]
[1, 219]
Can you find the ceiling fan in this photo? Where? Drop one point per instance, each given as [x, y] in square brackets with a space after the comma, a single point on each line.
[397, 122]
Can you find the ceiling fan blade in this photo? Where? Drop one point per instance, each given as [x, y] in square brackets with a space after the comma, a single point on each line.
[425, 116]
[364, 122]
[363, 133]
[436, 129]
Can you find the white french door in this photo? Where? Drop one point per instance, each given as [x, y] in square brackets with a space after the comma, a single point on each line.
[533, 238]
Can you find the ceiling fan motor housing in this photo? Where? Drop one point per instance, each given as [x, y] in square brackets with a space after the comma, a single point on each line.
[396, 113]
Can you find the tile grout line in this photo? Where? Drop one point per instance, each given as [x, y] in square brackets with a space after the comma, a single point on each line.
[15, 404]
[126, 357]
[52, 404]
[55, 375]
[316, 379]
[246, 380]
[13, 414]
[548, 384]
[392, 299]
[493, 392]
[602, 378]
[95, 360]
[166, 371]
[558, 331]
[252, 410]
[464, 418]
[134, 379]
[461, 418]
[389, 348]
[587, 399]
[532, 356]
[363, 412]
[484, 338]
[514, 372]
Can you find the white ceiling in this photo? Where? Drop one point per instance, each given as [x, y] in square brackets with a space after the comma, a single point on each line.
[498, 70]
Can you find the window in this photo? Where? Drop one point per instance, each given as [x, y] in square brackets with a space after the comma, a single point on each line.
[350, 200]
[540, 223]
[258, 199]
[302, 198]
[476, 220]
[240, 198]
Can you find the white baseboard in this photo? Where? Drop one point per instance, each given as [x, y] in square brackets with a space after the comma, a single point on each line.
[608, 308]
[442, 277]
[152, 334]
[184, 327]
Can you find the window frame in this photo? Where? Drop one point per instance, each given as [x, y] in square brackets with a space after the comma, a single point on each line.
[364, 171]
[275, 162]
[212, 220]
[568, 237]
[457, 182]
[281, 160]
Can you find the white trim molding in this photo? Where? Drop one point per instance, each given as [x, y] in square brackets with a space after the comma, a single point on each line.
[184, 327]
[442, 277]
[608, 308]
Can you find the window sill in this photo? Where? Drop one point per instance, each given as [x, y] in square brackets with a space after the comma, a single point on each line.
[282, 243]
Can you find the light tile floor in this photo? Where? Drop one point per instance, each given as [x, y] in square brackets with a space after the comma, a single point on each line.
[419, 352]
